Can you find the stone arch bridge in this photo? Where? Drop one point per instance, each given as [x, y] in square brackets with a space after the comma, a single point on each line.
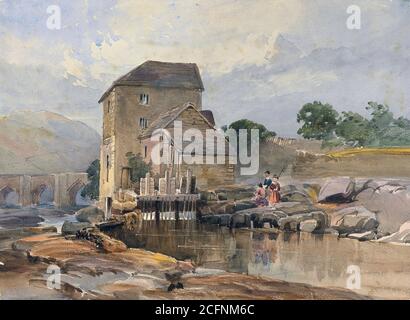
[61, 190]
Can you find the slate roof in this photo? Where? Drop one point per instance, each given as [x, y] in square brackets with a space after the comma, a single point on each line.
[208, 114]
[161, 74]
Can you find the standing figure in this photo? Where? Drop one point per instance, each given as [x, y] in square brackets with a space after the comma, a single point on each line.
[268, 180]
[274, 191]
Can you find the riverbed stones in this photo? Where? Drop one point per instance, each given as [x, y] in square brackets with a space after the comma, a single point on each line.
[354, 220]
[266, 216]
[71, 228]
[401, 236]
[308, 225]
[90, 214]
[338, 189]
[216, 207]
[364, 236]
[240, 220]
[218, 219]
[244, 205]
[292, 223]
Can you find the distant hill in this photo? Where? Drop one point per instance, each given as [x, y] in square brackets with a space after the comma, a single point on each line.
[45, 142]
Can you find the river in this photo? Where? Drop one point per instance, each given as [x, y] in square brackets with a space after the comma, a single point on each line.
[380, 270]
[319, 260]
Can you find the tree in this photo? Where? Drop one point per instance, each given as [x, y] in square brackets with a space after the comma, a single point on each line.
[354, 129]
[321, 122]
[264, 133]
[92, 188]
[318, 121]
[139, 168]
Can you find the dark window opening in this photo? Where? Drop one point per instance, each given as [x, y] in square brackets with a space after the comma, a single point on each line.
[143, 123]
[144, 99]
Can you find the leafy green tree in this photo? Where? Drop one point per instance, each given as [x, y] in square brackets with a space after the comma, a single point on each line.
[264, 133]
[354, 129]
[381, 119]
[139, 168]
[92, 188]
[321, 122]
[318, 121]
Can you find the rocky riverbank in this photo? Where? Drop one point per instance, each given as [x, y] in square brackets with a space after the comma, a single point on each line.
[361, 209]
[112, 271]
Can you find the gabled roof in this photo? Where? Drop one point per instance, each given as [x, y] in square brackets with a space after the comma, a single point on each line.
[168, 117]
[160, 74]
[208, 114]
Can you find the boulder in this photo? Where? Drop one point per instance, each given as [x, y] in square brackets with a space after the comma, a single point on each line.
[111, 245]
[354, 220]
[90, 214]
[292, 223]
[339, 189]
[244, 205]
[124, 207]
[401, 236]
[308, 225]
[291, 208]
[215, 207]
[217, 219]
[393, 208]
[364, 236]
[102, 241]
[222, 196]
[240, 220]
[225, 220]
[272, 218]
[210, 219]
[321, 218]
[71, 228]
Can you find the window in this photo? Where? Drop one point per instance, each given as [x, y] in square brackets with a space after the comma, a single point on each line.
[144, 99]
[145, 151]
[143, 123]
[109, 106]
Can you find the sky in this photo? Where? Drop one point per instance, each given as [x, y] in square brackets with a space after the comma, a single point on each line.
[259, 59]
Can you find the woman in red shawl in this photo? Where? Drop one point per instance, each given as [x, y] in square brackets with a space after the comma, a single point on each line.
[274, 191]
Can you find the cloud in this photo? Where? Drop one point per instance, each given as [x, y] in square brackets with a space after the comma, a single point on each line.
[217, 35]
[260, 59]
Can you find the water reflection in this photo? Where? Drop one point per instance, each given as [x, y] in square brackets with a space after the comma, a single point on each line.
[320, 260]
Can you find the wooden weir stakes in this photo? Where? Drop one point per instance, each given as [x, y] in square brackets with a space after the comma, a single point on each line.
[168, 207]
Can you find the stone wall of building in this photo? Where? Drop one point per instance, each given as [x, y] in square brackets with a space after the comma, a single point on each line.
[122, 125]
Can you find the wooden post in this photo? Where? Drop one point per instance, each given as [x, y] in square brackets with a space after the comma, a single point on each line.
[188, 181]
[157, 211]
[176, 209]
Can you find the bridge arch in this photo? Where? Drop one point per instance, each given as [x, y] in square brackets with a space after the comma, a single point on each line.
[43, 194]
[74, 193]
[9, 196]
